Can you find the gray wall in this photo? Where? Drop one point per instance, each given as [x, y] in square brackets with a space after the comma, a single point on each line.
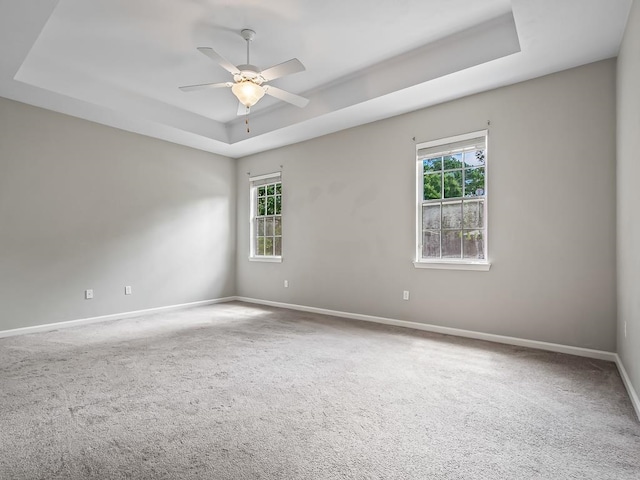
[349, 216]
[87, 206]
[629, 197]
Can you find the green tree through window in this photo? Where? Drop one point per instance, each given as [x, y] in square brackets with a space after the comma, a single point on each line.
[266, 238]
[452, 207]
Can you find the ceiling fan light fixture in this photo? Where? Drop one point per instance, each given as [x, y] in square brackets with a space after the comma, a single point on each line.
[247, 92]
[250, 82]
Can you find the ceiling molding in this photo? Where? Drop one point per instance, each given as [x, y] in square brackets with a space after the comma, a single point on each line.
[482, 43]
[111, 63]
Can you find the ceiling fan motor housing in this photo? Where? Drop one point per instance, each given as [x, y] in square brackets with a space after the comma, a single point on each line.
[249, 73]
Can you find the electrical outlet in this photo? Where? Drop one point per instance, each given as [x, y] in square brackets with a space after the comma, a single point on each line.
[405, 295]
[88, 294]
[127, 290]
[286, 284]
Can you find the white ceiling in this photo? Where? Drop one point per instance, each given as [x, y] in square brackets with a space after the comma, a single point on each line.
[119, 62]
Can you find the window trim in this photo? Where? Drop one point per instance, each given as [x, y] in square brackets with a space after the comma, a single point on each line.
[448, 263]
[253, 189]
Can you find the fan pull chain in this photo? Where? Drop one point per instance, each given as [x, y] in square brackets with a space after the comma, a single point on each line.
[246, 120]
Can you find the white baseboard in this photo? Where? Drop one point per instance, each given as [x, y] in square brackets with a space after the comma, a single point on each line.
[103, 318]
[521, 342]
[552, 347]
[635, 400]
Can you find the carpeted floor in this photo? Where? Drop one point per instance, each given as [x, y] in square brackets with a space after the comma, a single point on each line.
[235, 391]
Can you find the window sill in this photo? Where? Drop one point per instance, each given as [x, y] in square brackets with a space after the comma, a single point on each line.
[266, 259]
[480, 266]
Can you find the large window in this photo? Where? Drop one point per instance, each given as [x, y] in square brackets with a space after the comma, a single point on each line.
[266, 217]
[452, 201]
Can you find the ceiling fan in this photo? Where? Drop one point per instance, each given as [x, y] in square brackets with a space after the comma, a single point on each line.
[249, 82]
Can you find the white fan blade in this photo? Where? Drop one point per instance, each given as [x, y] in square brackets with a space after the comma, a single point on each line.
[242, 109]
[202, 86]
[288, 97]
[287, 68]
[216, 57]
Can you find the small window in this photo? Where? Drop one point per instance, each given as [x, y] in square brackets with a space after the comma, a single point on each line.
[452, 201]
[266, 218]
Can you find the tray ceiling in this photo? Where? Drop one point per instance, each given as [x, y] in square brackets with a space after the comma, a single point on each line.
[120, 62]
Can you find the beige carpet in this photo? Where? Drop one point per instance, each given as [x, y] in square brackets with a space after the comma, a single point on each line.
[235, 391]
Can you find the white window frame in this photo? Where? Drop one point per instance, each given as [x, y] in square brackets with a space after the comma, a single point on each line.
[254, 183]
[450, 263]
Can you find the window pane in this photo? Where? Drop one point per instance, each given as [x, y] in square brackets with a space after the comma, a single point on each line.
[268, 246]
[473, 214]
[432, 186]
[452, 215]
[268, 227]
[432, 165]
[453, 184]
[430, 244]
[431, 217]
[474, 158]
[277, 246]
[453, 161]
[474, 182]
[267, 223]
[453, 205]
[451, 245]
[473, 244]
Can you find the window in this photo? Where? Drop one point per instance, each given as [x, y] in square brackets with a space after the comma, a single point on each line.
[266, 218]
[451, 209]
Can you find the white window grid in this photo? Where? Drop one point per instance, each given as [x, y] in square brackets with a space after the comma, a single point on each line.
[421, 202]
[259, 221]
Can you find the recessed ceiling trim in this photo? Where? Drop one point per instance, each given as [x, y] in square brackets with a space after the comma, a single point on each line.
[116, 99]
[483, 43]
[119, 63]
